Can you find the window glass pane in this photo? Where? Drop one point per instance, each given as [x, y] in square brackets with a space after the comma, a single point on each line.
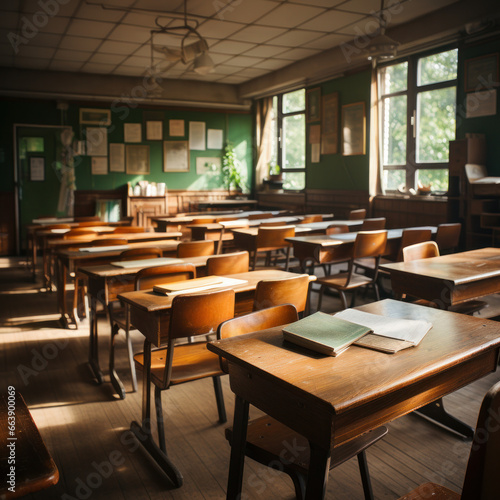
[294, 180]
[394, 78]
[274, 132]
[34, 144]
[438, 67]
[437, 178]
[435, 124]
[294, 144]
[394, 131]
[294, 101]
[393, 179]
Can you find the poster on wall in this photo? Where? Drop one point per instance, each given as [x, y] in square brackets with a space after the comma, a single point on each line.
[353, 129]
[329, 124]
[99, 165]
[37, 168]
[175, 156]
[176, 128]
[154, 131]
[214, 138]
[132, 132]
[137, 158]
[96, 139]
[116, 157]
[197, 136]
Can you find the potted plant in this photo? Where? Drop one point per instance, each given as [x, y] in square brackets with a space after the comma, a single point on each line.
[231, 170]
[275, 173]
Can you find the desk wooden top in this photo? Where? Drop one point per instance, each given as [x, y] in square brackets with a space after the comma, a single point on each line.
[153, 302]
[187, 219]
[34, 467]
[458, 268]
[225, 203]
[361, 389]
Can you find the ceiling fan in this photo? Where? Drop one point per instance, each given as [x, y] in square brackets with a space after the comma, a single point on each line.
[382, 46]
[193, 49]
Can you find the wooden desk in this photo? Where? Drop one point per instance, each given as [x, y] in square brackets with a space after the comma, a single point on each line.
[104, 283]
[297, 388]
[148, 313]
[33, 468]
[70, 260]
[210, 205]
[449, 279]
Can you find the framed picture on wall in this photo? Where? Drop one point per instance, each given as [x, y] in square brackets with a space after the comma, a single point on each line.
[37, 168]
[91, 116]
[313, 105]
[481, 72]
[175, 156]
[137, 159]
[330, 124]
[353, 129]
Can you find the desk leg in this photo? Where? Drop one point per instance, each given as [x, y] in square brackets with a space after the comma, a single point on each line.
[143, 431]
[435, 412]
[115, 380]
[317, 476]
[93, 344]
[237, 461]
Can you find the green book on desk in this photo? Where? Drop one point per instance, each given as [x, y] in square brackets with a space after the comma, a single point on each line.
[324, 333]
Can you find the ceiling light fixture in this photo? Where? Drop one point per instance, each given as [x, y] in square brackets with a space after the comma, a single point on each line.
[381, 46]
[191, 51]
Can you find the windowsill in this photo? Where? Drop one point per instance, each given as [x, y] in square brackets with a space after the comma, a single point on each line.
[417, 197]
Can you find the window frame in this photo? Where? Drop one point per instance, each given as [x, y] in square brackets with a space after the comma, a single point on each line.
[412, 92]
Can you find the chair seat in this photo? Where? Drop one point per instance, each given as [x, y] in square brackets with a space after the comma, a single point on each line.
[265, 438]
[431, 490]
[339, 280]
[191, 362]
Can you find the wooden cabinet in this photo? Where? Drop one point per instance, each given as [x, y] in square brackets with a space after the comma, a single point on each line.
[142, 208]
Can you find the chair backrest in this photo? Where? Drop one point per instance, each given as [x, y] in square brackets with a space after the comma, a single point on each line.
[195, 248]
[373, 224]
[254, 322]
[369, 244]
[264, 215]
[129, 229]
[109, 242]
[282, 291]
[226, 218]
[306, 219]
[271, 223]
[358, 214]
[448, 236]
[481, 477]
[200, 313]
[337, 229]
[91, 223]
[422, 250]
[148, 277]
[228, 263]
[87, 218]
[76, 233]
[49, 227]
[203, 220]
[141, 253]
[274, 237]
[412, 236]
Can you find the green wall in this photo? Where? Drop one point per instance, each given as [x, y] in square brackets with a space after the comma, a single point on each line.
[335, 171]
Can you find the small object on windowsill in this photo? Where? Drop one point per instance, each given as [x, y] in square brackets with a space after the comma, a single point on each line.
[424, 190]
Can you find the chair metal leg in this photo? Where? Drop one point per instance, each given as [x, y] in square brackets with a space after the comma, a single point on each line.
[219, 397]
[344, 299]
[130, 349]
[159, 421]
[115, 380]
[365, 476]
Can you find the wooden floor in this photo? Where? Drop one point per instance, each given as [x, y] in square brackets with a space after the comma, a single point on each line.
[86, 428]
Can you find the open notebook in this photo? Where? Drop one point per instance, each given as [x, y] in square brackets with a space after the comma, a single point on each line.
[196, 285]
[158, 261]
[109, 248]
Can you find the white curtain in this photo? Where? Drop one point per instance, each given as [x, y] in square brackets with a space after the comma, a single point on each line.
[375, 178]
[263, 113]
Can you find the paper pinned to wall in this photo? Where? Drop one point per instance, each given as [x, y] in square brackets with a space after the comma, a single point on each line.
[116, 157]
[197, 136]
[214, 138]
[97, 141]
[99, 165]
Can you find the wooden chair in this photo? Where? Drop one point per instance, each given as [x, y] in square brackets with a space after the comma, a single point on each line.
[428, 249]
[368, 244]
[88, 218]
[191, 315]
[228, 263]
[285, 291]
[412, 236]
[373, 224]
[76, 233]
[128, 229]
[358, 214]
[109, 242]
[119, 315]
[264, 215]
[272, 239]
[481, 476]
[266, 437]
[141, 253]
[91, 223]
[448, 237]
[337, 229]
[195, 248]
[203, 220]
[306, 219]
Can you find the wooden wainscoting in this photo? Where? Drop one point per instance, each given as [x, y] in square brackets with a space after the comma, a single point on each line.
[336, 201]
[294, 202]
[85, 200]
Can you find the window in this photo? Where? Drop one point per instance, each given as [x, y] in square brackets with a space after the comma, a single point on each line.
[418, 110]
[289, 138]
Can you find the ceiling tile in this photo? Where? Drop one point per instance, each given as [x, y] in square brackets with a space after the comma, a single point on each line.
[128, 71]
[322, 3]
[366, 26]
[101, 58]
[252, 72]
[32, 50]
[118, 47]
[243, 12]
[141, 19]
[33, 8]
[244, 61]
[56, 65]
[299, 53]
[79, 43]
[257, 34]
[219, 58]
[143, 50]
[231, 79]
[331, 21]
[125, 33]
[410, 10]
[143, 62]
[228, 47]
[295, 38]
[48, 39]
[361, 6]
[56, 25]
[97, 68]
[97, 13]
[92, 29]
[327, 41]
[218, 29]
[289, 15]
[265, 51]
[224, 69]
[273, 64]
[72, 55]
